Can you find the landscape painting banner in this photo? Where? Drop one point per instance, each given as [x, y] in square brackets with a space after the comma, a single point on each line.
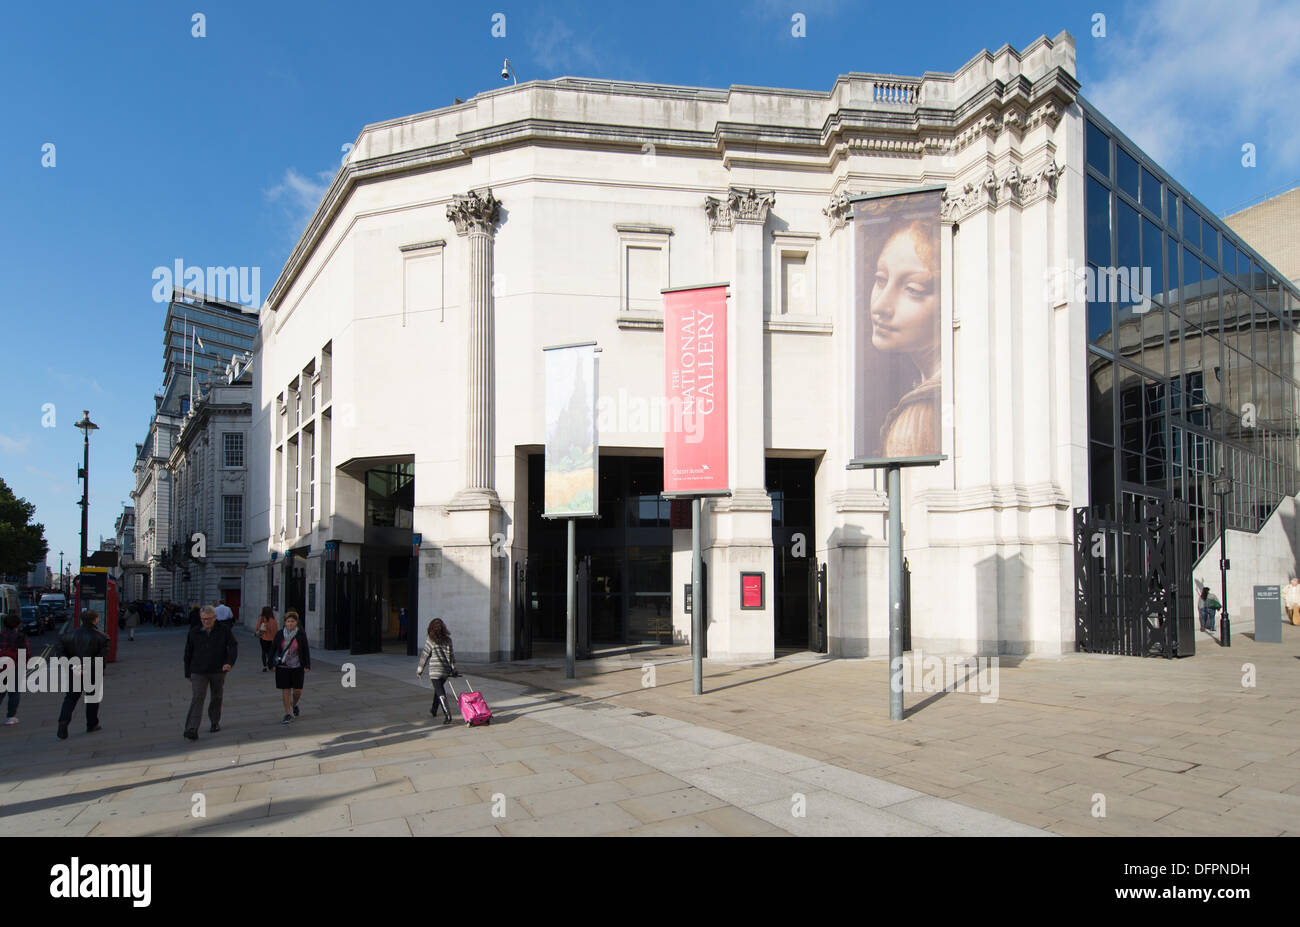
[897, 369]
[572, 445]
[695, 349]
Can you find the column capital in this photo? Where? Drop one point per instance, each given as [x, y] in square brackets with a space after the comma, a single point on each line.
[748, 206]
[474, 212]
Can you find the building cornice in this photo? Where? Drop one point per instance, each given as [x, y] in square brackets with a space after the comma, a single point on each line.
[909, 117]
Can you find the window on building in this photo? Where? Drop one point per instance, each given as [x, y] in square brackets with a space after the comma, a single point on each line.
[1126, 172]
[232, 450]
[390, 495]
[232, 519]
[309, 438]
[1098, 149]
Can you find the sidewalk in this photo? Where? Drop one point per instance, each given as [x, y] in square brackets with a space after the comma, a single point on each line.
[367, 760]
[1173, 747]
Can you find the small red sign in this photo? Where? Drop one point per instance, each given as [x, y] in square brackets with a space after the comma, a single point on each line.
[751, 590]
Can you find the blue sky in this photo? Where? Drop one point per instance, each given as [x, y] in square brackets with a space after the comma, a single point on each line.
[215, 150]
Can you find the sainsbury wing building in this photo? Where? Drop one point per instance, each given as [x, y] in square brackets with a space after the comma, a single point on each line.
[975, 266]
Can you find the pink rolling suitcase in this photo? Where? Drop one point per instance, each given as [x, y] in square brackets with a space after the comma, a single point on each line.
[473, 707]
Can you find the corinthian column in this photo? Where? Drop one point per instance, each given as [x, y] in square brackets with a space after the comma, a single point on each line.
[475, 216]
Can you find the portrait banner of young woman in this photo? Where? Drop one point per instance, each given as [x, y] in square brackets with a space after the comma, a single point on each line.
[897, 378]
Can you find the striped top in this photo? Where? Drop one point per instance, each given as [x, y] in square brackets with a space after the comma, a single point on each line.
[441, 659]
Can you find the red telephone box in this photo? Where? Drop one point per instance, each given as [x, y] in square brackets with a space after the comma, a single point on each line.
[97, 591]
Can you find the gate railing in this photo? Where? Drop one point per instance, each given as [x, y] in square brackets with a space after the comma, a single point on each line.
[1133, 579]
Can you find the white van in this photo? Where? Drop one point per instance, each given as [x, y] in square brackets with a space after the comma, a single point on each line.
[57, 603]
[9, 602]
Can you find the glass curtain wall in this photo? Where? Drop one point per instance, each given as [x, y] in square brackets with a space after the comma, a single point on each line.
[1191, 348]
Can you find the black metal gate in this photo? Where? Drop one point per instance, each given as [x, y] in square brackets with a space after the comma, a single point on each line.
[906, 606]
[295, 590]
[1133, 579]
[817, 641]
[523, 642]
[582, 611]
[354, 604]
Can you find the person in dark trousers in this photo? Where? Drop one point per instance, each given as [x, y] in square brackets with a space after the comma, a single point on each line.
[441, 659]
[266, 628]
[210, 652]
[85, 641]
[12, 640]
[194, 617]
[1210, 606]
[292, 660]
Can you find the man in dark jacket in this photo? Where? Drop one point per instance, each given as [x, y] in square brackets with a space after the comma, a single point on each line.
[85, 641]
[210, 651]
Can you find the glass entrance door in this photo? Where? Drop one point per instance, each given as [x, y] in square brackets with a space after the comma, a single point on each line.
[630, 546]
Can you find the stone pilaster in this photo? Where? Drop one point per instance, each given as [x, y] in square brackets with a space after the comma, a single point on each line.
[740, 539]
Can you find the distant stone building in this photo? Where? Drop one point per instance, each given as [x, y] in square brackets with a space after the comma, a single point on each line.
[208, 465]
[201, 335]
[130, 572]
[1273, 227]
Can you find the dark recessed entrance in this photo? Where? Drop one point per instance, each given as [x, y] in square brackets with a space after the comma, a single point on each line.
[630, 547]
[794, 551]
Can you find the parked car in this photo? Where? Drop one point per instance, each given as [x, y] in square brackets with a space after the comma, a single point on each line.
[32, 623]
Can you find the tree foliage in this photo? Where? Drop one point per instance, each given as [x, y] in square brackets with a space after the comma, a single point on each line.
[22, 541]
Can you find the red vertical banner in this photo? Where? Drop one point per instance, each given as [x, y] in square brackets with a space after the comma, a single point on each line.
[695, 349]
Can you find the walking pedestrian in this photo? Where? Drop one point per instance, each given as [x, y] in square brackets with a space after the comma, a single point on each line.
[1292, 599]
[12, 640]
[401, 624]
[292, 661]
[266, 628]
[132, 619]
[85, 641]
[440, 656]
[210, 651]
[224, 614]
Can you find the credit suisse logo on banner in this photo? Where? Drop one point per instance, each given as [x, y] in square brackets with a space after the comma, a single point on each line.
[695, 347]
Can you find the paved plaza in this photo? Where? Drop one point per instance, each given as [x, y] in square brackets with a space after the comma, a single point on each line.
[799, 745]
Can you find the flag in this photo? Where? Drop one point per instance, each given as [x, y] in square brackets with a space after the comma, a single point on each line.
[200, 341]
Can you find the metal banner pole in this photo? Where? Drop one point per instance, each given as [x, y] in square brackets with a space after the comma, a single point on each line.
[570, 632]
[697, 606]
[895, 594]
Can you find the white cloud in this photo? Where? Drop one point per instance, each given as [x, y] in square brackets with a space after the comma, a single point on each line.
[13, 445]
[1176, 76]
[57, 486]
[300, 195]
[73, 381]
[559, 51]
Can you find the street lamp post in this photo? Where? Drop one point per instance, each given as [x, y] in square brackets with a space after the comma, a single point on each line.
[86, 426]
[1222, 489]
[60, 571]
